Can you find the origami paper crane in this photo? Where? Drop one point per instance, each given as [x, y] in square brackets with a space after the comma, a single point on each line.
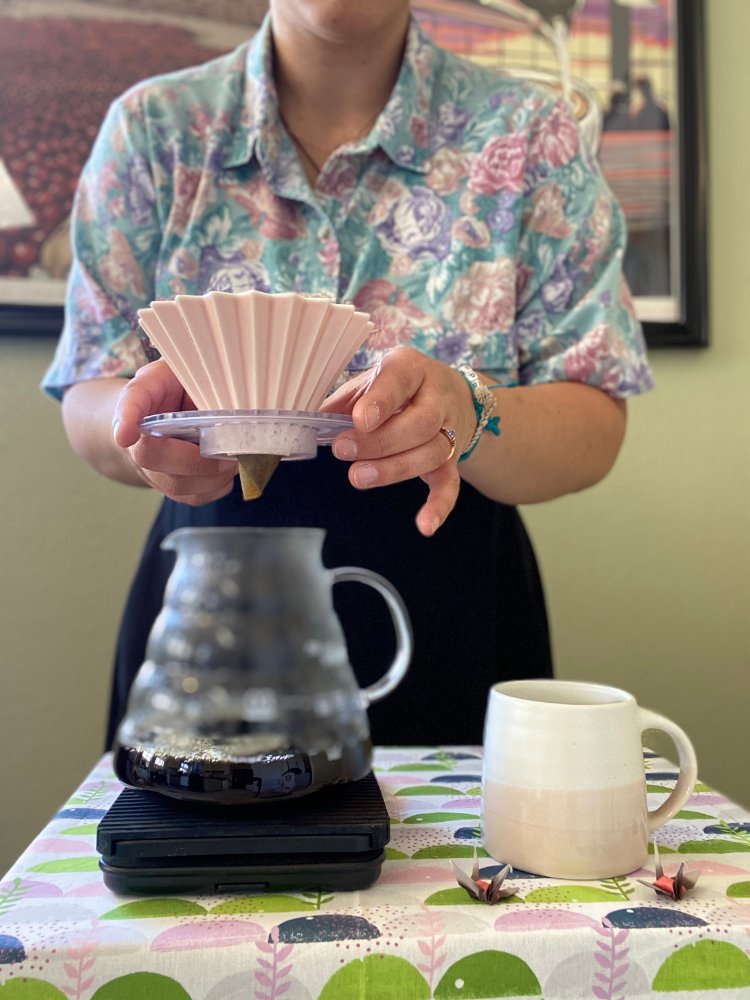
[675, 886]
[485, 890]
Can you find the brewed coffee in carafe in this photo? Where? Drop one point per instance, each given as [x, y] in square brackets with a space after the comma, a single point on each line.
[246, 693]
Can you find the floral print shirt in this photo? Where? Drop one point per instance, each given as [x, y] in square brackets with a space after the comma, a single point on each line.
[470, 223]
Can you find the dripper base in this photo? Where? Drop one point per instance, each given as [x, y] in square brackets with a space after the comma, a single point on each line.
[292, 434]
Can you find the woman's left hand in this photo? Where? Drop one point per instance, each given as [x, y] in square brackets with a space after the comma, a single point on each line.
[405, 412]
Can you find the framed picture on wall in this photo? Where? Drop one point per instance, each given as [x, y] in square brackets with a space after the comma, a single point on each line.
[636, 75]
[633, 70]
[61, 65]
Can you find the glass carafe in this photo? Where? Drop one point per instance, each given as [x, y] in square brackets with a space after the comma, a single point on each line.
[246, 692]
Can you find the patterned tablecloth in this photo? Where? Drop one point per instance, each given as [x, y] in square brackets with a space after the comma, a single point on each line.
[415, 934]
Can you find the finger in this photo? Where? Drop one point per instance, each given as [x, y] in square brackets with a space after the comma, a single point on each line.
[130, 409]
[444, 484]
[397, 468]
[397, 381]
[408, 429]
[176, 458]
[343, 399]
[154, 389]
[194, 491]
[180, 472]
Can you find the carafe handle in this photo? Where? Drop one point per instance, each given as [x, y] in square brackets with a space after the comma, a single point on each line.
[687, 763]
[401, 624]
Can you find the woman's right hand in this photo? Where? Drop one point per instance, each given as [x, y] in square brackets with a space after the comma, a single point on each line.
[173, 467]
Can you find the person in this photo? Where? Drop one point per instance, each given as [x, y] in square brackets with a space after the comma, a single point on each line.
[617, 117]
[341, 152]
[647, 113]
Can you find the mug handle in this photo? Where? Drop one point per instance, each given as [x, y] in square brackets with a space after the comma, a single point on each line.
[688, 767]
[401, 625]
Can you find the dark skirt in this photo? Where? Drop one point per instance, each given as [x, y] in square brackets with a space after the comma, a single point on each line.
[473, 593]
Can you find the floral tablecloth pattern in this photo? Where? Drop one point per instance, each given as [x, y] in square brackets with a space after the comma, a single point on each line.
[414, 935]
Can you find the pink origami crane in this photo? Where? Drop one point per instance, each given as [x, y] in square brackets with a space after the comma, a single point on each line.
[485, 890]
[675, 886]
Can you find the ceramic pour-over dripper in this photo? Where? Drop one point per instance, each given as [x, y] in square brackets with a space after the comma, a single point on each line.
[255, 351]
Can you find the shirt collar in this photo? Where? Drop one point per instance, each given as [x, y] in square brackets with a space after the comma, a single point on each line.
[403, 130]
[259, 103]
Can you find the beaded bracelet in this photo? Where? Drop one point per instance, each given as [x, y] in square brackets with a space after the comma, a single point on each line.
[485, 403]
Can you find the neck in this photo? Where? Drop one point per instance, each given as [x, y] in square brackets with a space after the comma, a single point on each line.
[332, 85]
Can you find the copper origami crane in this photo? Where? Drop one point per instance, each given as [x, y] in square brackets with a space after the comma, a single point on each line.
[485, 890]
[675, 886]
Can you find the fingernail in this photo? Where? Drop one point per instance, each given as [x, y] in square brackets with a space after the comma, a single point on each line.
[428, 528]
[115, 429]
[365, 474]
[345, 448]
[226, 466]
[372, 416]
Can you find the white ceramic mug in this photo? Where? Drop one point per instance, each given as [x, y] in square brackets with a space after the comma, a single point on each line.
[563, 781]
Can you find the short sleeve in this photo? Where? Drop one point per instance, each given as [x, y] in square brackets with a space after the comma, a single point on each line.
[115, 241]
[575, 319]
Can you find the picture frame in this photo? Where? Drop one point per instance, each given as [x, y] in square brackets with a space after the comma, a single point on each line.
[691, 327]
[60, 68]
[675, 316]
[686, 321]
[659, 175]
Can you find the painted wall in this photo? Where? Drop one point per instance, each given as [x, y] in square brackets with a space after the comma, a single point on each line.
[648, 575]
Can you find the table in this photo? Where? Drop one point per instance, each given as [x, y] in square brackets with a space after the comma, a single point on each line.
[415, 934]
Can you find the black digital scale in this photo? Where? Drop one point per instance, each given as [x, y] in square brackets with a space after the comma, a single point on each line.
[333, 839]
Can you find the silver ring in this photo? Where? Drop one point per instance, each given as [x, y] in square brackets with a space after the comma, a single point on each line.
[450, 437]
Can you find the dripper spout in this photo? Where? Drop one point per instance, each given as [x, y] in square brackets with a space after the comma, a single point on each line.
[255, 473]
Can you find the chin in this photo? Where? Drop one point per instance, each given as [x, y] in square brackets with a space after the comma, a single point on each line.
[342, 20]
